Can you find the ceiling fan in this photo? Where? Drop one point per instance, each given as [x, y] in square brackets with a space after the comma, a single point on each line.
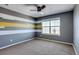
[39, 8]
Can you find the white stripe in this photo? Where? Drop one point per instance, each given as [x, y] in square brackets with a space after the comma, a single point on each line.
[6, 32]
[10, 17]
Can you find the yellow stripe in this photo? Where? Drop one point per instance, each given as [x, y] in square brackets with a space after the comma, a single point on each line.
[13, 24]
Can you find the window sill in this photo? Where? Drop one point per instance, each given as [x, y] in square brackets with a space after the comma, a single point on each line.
[49, 34]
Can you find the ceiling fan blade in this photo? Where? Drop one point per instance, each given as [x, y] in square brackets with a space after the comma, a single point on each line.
[43, 6]
[38, 8]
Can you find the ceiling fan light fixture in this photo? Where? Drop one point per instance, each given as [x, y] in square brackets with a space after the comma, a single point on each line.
[41, 13]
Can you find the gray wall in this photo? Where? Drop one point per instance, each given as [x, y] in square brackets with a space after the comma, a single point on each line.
[76, 28]
[17, 37]
[14, 38]
[66, 27]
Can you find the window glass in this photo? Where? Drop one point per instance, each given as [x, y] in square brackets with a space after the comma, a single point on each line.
[57, 30]
[52, 22]
[45, 30]
[46, 23]
[55, 22]
[52, 30]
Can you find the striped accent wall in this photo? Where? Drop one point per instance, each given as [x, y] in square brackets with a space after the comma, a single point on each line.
[15, 29]
[15, 25]
[8, 22]
[38, 26]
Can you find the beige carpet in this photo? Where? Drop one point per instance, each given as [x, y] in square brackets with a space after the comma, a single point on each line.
[38, 47]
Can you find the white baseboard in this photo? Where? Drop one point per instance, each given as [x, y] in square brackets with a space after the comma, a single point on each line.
[42, 39]
[55, 41]
[60, 42]
[16, 43]
[75, 50]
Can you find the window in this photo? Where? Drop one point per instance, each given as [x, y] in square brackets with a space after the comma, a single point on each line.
[51, 27]
[45, 27]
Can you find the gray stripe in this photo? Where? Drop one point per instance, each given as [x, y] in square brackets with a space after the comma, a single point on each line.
[6, 11]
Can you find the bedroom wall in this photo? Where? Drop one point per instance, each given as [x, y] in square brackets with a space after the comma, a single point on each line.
[14, 27]
[76, 29]
[66, 27]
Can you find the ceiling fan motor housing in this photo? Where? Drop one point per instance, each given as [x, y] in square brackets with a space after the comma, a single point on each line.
[39, 8]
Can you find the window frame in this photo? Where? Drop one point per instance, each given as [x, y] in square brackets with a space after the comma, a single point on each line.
[50, 33]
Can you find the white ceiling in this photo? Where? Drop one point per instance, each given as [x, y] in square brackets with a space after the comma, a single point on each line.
[50, 9]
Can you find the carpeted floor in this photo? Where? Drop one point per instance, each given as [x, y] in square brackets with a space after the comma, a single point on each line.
[38, 47]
